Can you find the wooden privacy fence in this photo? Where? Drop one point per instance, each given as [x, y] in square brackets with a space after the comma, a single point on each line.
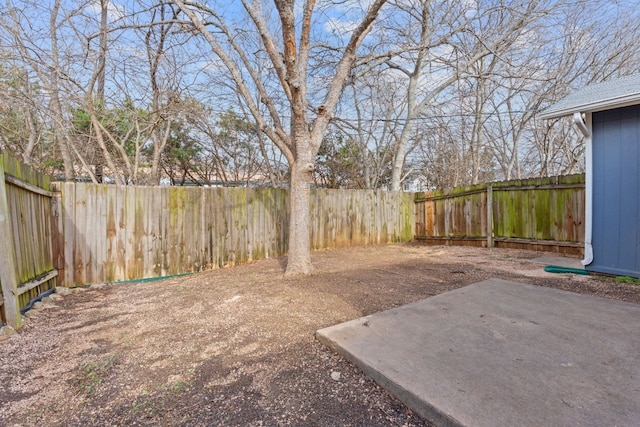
[99, 233]
[544, 213]
[118, 233]
[26, 251]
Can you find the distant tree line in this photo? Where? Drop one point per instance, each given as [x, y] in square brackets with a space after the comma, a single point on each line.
[441, 93]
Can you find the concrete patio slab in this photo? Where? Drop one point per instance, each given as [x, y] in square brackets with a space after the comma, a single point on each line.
[501, 353]
[560, 261]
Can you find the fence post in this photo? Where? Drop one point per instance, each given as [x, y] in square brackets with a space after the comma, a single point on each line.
[8, 261]
[57, 231]
[489, 216]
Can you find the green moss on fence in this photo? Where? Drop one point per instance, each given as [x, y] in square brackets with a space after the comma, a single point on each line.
[575, 179]
[548, 208]
[26, 233]
[160, 231]
[23, 172]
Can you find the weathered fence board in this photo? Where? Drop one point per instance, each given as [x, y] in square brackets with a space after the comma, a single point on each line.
[543, 212]
[360, 217]
[116, 233]
[26, 260]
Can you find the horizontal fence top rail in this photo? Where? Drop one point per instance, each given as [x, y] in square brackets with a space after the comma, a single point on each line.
[20, 174]
[555, 182]
[26, 186]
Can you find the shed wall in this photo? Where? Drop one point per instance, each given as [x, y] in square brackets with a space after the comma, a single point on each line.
[616, 192]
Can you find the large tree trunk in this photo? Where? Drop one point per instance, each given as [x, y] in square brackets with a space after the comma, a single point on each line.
[299, 258]
[401, 154]
[159, 144]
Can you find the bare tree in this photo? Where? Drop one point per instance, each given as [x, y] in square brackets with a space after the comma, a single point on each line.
[167, 107]
[20, 124]
[485, 120]
[30, 48]
[368, 113]
[575, 46]
[448, 95]
[289, 53]
[438, 46]
[54, 44]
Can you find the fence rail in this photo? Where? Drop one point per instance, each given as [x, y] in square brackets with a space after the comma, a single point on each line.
[118, 233]
[545, 213]
[26, 260]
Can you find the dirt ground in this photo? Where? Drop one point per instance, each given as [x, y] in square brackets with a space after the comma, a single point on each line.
[236, 346]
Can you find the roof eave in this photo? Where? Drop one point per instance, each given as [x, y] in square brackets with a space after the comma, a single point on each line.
[602, 105]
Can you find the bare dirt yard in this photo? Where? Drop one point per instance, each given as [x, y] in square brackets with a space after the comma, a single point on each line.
[236, 346]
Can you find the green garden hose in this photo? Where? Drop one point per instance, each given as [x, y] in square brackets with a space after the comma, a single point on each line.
[559, 269]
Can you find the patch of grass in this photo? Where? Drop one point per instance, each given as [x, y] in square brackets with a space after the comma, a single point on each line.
[93, 373]
[143, 407]
[627, 279]
[179, 386]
